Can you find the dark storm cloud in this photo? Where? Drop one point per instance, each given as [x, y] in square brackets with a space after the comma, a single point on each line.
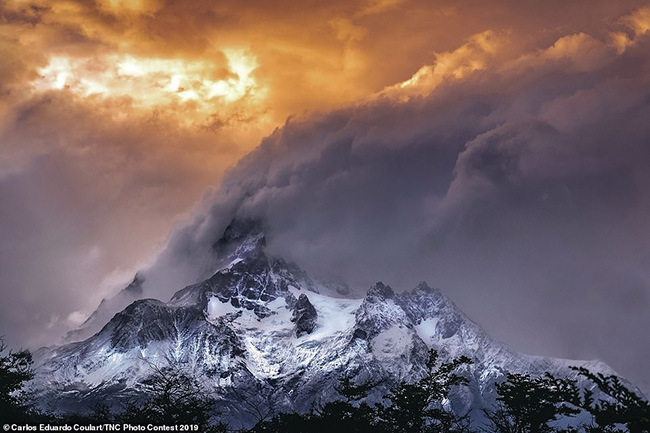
[517, 185]
[72, 187]
[521, 190]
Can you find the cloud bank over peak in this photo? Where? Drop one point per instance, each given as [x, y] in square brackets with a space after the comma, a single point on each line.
[518, 185]
[496, 149]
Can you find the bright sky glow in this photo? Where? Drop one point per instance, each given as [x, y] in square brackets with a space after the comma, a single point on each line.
[153, 82]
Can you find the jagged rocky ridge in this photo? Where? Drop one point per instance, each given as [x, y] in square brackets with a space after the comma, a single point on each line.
[107, 309]
[260, 329]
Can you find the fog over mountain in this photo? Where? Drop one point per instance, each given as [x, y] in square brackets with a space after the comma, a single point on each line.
[521, 191]
[261, 335]
[510, 171]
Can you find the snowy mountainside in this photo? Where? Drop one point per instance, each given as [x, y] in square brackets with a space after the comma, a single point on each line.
[107, 309]
[260, 329]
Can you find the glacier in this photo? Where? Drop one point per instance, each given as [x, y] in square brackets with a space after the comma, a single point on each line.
[260, 330]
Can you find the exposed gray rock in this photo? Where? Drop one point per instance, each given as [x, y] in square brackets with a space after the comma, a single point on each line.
[257, 330]
[304, 316]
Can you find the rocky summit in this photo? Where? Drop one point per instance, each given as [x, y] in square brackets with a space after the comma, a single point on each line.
[262, 336]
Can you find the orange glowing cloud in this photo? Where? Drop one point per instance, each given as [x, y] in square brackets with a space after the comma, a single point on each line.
[119, 7]
[156, 82]
[125, 111]
[469, 57]
[201, 60]
[639, 21]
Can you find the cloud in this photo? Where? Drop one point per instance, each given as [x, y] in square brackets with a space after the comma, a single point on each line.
[468, 58]
[519, 188]
[378, 6]
[86, 198]
[512, 169]
[638, 21]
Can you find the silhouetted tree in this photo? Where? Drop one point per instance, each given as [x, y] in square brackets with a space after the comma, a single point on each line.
[350, 414]
[15, 370]
[347, 415]
[620, 406]
[418, 407]
[528, 405]
[256, 401]
[174, 397]
[288, 423]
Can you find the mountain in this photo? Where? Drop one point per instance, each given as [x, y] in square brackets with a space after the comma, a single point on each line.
[107, 309]
[260, 331]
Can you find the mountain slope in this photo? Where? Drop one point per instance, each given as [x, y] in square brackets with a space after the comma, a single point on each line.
[260, 330]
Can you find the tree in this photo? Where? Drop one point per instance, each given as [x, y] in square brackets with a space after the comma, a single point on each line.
[413, 408]
[175, 397]
[529, 405]
[256, 401]
[348, 415]
[621, 406]
[289, 423]
[417, 407]
[15, 370]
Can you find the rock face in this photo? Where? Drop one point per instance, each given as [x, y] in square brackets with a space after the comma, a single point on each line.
[260, 329]
[107, 309]
[304, 316]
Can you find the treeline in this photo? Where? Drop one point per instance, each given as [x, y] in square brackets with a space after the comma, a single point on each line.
[525, 404]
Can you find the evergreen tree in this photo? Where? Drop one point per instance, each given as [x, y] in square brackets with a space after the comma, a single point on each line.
[620, 407]
[350, 414]
[174, 397]
[15, 370]
[417, 407]
[529, 405]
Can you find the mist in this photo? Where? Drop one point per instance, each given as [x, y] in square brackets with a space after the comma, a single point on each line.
[497, 150]
[521, 193]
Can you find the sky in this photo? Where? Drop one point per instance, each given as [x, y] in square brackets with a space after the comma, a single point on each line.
[497, 149]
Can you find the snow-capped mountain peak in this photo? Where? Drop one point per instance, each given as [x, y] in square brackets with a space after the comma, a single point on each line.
[260, 325]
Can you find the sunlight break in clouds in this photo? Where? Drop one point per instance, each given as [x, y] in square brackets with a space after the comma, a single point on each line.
[116, 115]
[515, 179]
[151, 82]
[469, 57]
